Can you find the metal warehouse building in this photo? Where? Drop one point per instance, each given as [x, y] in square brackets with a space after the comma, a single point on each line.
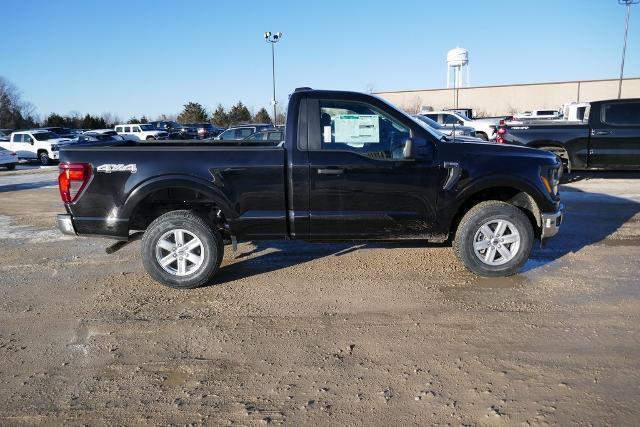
[510, 99]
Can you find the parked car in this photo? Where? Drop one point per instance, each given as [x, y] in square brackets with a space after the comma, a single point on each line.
[426, 122]
[240, 131]
[607, 138]
[99, 135]
[35, 144]
[353, 167]
[267, 135]
[448, 130]
[8, 158]
[206, 130]
[61, 131]
[175, 129]
[143, 132]
[484, 130]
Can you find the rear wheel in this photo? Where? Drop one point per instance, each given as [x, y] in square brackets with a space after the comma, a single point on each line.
[181, 250]
[562, 155]
[482, 136]
[494, 239]
[11, 166]
[44, 159]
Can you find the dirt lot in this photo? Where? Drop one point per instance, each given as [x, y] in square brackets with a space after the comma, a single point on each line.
[296, 333]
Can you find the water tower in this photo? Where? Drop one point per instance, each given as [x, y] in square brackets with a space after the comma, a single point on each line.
[458, 62]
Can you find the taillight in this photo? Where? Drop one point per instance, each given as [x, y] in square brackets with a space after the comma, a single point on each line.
[500, 137]
[72, 180]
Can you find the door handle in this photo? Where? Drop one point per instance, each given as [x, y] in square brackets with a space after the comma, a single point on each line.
[330, 171]
[600, 132]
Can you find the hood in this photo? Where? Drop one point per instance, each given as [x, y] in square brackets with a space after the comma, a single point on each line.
[506, 150]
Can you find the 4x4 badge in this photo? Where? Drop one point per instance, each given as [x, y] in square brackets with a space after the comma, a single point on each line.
[132, 168]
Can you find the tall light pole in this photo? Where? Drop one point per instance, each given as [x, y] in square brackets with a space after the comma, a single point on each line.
[627, 3]
[273, 39]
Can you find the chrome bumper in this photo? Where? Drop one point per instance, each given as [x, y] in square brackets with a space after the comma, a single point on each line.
[65, 224]
[551, 223]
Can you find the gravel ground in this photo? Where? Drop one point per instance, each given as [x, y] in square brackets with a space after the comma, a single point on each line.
[295, 333]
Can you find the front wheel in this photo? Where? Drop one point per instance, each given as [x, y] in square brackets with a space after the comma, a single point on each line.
[44, 158]
[181, 250]
[150, 138]
[494, 239]
[483, 136]
[11, 166]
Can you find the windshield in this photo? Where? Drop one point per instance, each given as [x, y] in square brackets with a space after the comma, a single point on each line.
[147, 127]
[45, 136]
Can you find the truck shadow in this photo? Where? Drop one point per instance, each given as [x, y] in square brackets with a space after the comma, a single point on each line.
[590, 218]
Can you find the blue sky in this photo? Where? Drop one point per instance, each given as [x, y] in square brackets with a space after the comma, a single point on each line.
[150, 57]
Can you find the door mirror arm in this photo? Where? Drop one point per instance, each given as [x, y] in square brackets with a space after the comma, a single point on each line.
[409, 149]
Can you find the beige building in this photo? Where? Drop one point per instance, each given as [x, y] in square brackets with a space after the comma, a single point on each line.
[510, 99]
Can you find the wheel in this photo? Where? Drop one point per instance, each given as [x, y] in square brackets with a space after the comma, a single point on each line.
[150, 138]
[181, 250]
[11, 166]
[482, 136]
[43, 156]
[494, 239]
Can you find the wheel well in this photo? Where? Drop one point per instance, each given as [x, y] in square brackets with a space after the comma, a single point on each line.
[169, 199]
[42, 150]
[510, 195]
[556, 149]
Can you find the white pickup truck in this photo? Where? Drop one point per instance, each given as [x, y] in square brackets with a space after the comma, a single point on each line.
[35, 144]
[484, 130]
[142, 132]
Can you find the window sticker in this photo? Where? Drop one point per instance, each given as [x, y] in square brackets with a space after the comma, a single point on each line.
[357, 129]
[326, 134]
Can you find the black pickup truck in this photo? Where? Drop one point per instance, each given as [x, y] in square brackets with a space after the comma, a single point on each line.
[607, 138]
[352, 167]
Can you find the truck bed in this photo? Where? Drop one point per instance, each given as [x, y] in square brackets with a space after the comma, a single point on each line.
[245, 182]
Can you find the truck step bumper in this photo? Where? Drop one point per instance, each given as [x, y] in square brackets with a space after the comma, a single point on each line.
[551, 223]
[65, 224]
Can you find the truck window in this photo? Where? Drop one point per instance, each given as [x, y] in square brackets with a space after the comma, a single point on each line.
[433, 117]
[27, 138]
[118, 128]
[360, 128]
[450, 119]
[127, 128]
[244, 132]
[621, 113]
[580, 113]
[135, 128]
[17, 138]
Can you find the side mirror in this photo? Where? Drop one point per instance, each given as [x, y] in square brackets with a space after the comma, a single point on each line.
[409, 150]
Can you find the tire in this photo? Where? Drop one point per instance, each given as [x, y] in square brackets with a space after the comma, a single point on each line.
[11, 166]
[516, 249]
[482, 136]
[205, 258]
[150, 138]
[44, 159]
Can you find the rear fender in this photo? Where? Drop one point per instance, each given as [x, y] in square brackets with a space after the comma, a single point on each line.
[153, 185]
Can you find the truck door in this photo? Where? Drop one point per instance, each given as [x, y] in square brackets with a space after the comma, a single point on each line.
[615, 136]
[360, 186]
[22, 144]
